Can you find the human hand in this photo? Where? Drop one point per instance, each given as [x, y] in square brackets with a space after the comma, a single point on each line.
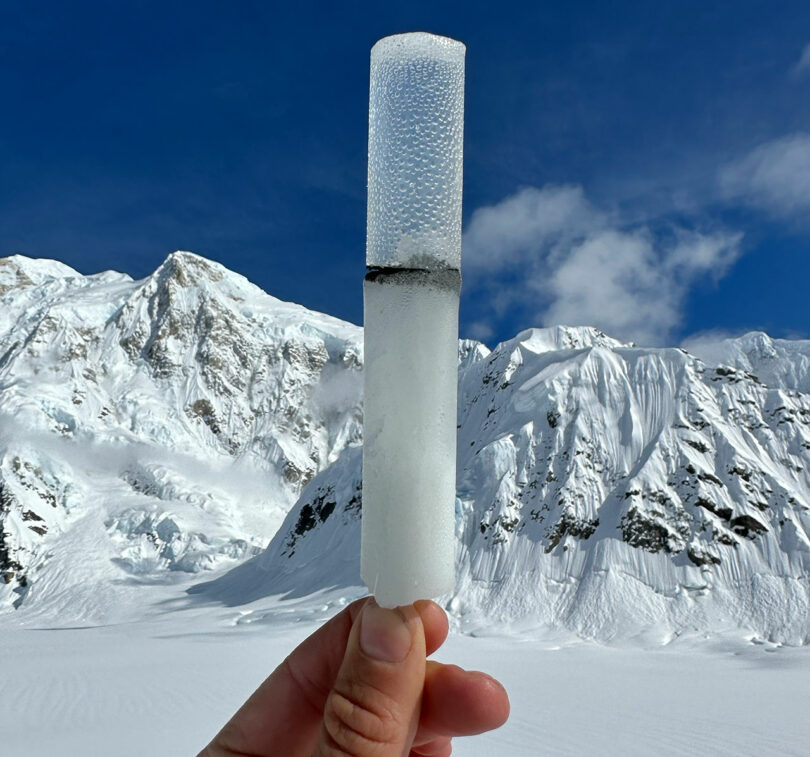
[360, 686]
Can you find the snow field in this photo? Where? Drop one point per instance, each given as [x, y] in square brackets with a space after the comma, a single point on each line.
[163, 687]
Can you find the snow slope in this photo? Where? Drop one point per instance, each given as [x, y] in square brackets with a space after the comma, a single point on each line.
[602, 488]
[778, 362]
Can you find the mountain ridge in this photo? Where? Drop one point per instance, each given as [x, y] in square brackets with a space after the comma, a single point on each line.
[603, 489]
[154, 429]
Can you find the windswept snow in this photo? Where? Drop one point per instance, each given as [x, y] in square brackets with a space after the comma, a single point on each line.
[163, 687]
[778, 362]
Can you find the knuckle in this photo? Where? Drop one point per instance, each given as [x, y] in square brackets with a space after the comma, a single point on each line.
[360, 719]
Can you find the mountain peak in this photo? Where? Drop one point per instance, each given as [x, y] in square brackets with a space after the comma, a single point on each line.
[18, 271]
[175, 417]
[553, 338]
[188, 269]
[777, 362]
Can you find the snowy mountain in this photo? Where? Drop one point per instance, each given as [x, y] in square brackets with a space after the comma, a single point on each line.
[154, 429]
[778, 362]
[603, 488]
[155, 426]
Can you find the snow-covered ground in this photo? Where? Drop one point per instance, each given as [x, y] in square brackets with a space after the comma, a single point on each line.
[163, 685]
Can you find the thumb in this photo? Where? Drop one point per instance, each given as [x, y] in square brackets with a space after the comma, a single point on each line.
[373, 708]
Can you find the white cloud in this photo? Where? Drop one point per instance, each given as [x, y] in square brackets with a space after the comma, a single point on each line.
[698, 254]
[774, 177]
[611, 280]
[552, 256]
[480, 330]
[631, 285]
[525, 223]
[803, 64]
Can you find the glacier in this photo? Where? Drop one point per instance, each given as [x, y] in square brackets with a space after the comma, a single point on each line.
[188, 425]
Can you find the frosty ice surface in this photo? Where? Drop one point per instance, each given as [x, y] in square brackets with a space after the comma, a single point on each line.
[415, 142]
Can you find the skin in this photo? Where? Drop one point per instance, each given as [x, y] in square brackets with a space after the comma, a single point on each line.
[330, 698]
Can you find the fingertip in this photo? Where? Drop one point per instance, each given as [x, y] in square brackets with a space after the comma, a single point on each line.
[387, 635]
[433, 617]
[355, 607]
[459, 702]
[493, 692]
[435, 623]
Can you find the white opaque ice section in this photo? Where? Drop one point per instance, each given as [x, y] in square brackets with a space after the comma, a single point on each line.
[409, 453]
[415, 149]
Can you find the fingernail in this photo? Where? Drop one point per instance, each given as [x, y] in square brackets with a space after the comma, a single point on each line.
[384, 634]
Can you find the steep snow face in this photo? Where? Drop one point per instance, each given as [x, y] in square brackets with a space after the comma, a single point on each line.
[777, 362]
[602, 488]
[162, 424]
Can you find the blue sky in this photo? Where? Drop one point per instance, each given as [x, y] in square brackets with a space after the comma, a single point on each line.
[641, 166]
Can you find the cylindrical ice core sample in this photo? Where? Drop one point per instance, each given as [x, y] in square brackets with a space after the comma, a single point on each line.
[411, 298]
[415, 143]
[409, 453]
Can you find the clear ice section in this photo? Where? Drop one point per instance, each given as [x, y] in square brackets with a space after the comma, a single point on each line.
[415, 149]
[409, 452]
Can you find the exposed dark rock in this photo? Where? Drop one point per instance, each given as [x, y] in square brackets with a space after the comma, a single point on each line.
[356, 501]
[727, 373]
[204, 410]
[639, 530]
[698, 445]
[710, 478]
[311, 514]
[721, 511]
[570, 524]
[747, 526]
[739, 470]
[295, 475]
[702, 557]
[728, 540]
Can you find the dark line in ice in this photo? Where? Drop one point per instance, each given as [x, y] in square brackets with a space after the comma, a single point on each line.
[443, 278]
